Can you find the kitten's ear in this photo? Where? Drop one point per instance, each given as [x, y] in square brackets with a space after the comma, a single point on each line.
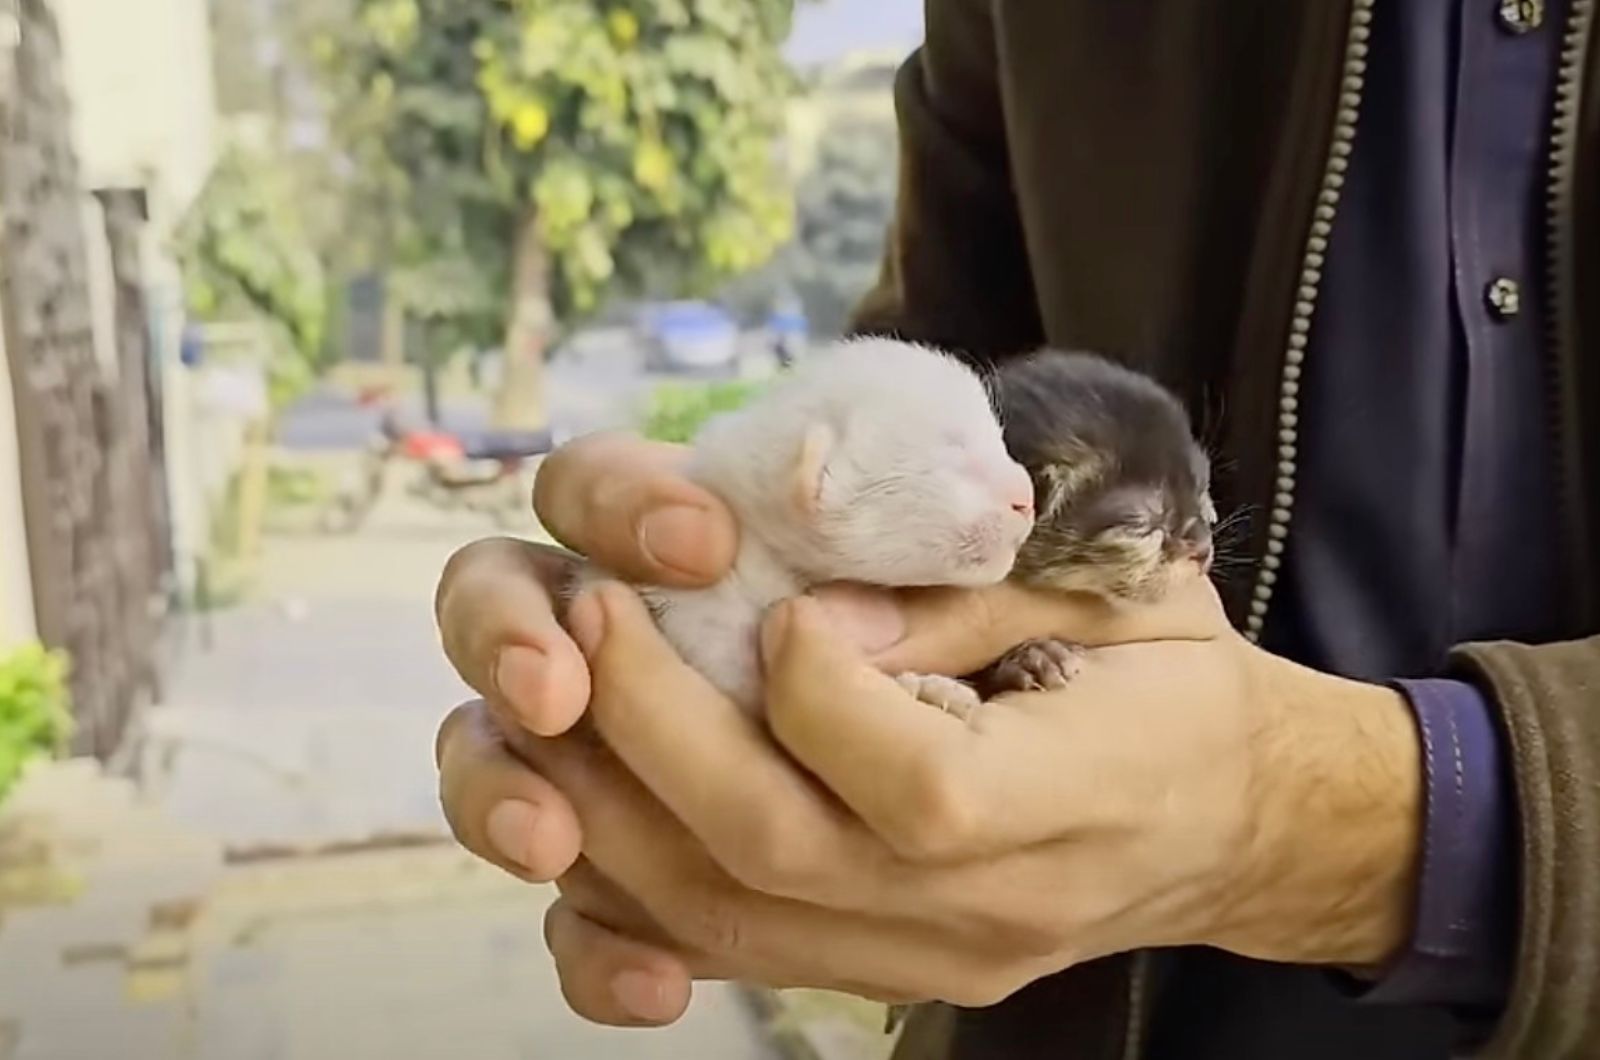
[811, 467]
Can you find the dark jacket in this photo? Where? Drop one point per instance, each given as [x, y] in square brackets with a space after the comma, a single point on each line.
[1158, 182]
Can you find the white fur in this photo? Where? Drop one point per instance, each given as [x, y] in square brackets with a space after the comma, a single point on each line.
[913, 490]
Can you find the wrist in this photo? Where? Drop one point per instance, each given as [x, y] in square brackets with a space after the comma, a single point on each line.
[1332, 876]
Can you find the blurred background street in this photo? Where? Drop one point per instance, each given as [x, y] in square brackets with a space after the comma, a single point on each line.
[287, 316]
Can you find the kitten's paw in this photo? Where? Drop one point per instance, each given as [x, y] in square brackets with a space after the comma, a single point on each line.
[948, 694]
[1037, 666]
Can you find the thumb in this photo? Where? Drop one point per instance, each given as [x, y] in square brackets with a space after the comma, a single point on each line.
[961, 631]
[627, 504]
[939, 630]
[851, 725]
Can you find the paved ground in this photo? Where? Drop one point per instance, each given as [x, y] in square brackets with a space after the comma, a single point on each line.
[145, 925]
[277, 886]
[126, 938]
[310, 715]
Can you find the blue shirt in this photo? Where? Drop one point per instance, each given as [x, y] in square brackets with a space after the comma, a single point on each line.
[1425, 509]
[1426, 513]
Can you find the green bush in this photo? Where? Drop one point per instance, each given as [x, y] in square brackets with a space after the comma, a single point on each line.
[678, 410]
[296, 487]
[35, 709]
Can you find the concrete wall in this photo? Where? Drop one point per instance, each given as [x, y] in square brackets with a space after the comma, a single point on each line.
[140, 74]
[16, 582]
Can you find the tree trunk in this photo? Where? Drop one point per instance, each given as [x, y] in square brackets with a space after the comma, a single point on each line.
[520, 403]
[430, 388]
[392, 334]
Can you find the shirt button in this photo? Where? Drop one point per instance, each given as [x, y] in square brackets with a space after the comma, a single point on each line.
[1521, 16]
[1504, 297]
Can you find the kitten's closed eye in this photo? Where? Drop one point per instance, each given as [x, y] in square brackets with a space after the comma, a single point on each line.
[1125, 512]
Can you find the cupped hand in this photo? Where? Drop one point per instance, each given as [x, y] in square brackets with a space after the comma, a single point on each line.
[1188, 790]
[622, 502]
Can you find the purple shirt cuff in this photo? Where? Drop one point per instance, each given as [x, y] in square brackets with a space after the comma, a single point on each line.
[1466, 916]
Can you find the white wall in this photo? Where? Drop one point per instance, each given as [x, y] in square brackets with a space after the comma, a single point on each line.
[139, 73]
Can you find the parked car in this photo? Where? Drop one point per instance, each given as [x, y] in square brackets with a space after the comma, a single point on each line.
[689, 335]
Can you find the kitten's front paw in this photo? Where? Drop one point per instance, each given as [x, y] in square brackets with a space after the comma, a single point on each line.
[1036, 666]
[948, 694]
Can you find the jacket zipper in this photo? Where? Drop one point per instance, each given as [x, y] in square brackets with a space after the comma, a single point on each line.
[1353, 81]
[1563, 164]
[1138, 988]
[1560, 241]
[1348, 113]
[1351, 86]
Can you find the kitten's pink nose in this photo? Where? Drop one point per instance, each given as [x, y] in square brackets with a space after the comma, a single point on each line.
[1016, 489]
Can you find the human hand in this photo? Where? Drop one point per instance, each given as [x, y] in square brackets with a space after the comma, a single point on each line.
[1193, 791]
[621, 501]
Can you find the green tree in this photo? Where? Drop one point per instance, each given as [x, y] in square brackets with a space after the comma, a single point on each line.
[245, 257]
[544, 154]
[846, 205]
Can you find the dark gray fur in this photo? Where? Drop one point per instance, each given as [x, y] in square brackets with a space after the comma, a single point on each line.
[1121, 492]
[1111, 454]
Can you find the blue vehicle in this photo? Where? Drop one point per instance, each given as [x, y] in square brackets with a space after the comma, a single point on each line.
[690, 335]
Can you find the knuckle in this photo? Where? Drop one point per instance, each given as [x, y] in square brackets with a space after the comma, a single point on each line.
[459, 819]
[545, 478]
[985, 989]
[561, 476]
[474, 555]
[715, 925]
[938, 820]
[1028, 939]
[449, 730]
[769, 856]
[475, 565]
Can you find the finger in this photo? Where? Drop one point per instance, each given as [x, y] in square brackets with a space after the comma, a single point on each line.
[941, 790]
[900, 764]
[711, 763]
[624, 503]
[611, 979]
[500, 631]
[597, 898]
[961, 631]
[499, 808]
[751, 935]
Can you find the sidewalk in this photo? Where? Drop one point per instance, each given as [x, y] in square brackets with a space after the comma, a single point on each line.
[281, 886]
[194, 920]
[125, 938]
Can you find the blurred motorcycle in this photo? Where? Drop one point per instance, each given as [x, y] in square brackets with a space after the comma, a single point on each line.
[482, 471]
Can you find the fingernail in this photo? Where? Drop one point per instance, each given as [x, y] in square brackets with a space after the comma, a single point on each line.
[510, 828]
[678, 538]
[586, 621]
[868, 618]
[642, 995]
[519, 675]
